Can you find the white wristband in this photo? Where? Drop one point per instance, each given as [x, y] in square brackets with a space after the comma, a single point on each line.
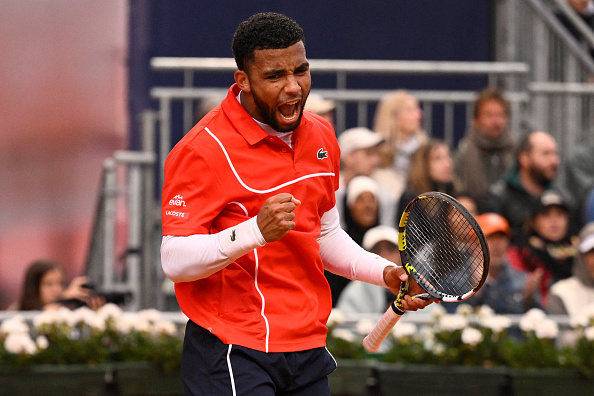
[241, 239]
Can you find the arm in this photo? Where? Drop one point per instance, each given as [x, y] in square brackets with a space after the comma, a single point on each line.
[185, 259]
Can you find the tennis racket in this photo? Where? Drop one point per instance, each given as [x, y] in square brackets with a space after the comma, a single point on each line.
[443, 249]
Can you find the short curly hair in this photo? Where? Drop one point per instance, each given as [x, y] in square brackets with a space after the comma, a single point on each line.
[267, 30]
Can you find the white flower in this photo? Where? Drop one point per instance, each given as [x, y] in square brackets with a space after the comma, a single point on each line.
[164, 327]
[532, 319]
[84, 315]
[404, 329]
[41, 342]
[452, 322]
[485, 311]
[464, 309]
[364, 326]
[15, 324]
[438, 349]
[548, 329]
[129, 321]
[471, 336]
[336, 317]
[60, 316]
[496, 323]
[344, 334]
[149, 315]
[19, 343]
[110, 310]
[589, 333]
[437, 312]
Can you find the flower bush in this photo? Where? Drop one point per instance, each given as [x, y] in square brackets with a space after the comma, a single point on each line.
[475, 337]
[84, 336]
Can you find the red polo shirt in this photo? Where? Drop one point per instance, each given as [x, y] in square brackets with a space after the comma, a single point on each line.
[275, 298]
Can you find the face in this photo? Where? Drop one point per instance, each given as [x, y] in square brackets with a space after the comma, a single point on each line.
[365, 209]
[498, 245]
[491, 120]
[578, 5]
[542, 161]
[50, 286]
[409, 117]
[469, 204]
[363, 161]
[275, 86]
[441, 165]
[387, 250]
[552, 223]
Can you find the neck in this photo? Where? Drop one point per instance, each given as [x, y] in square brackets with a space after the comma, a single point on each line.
[529, 184]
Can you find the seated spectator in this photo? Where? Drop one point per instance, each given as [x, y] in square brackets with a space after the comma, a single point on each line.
[398, 118]
[467, 201]
[361, 213]
[359, 156]
[515, 196]
[322, 107]
[486, 152]
[570, 296]
[507, 290]
[431, 169]
[361, 297]
[43, 289]
[547, 244]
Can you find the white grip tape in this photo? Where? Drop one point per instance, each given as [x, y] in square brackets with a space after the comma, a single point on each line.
[381, 330]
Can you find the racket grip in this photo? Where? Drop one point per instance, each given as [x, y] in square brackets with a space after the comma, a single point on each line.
[381, 330]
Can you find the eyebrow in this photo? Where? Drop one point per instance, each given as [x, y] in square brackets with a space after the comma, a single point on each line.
[304, 65]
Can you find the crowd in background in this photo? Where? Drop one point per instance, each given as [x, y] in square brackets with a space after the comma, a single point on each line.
[530, 208]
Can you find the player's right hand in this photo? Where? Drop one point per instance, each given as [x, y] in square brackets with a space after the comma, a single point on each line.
[276, 216]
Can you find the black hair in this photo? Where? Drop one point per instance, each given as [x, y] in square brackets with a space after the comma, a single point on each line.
[267, 30]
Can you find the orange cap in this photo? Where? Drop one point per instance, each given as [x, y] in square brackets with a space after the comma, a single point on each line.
[492, 222]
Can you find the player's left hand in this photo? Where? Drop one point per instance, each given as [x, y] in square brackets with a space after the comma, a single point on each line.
[394, 276]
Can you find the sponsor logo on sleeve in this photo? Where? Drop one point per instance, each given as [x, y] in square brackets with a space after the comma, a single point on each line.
[177, 203]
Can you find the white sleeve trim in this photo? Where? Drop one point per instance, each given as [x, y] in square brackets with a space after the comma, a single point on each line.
[342, 256]
[189, 258]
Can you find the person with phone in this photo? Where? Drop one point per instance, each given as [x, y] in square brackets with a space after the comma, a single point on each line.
[250, 224]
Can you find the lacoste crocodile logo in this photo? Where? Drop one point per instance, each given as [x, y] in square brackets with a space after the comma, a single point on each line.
[232, 235]
[322, 154]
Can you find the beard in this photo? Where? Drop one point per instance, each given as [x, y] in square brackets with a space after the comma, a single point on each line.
[268, 114]
[540, 176]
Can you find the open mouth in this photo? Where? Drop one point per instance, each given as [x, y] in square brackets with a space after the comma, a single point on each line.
[289, 111]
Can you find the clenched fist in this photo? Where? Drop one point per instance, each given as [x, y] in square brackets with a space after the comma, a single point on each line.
[275, 218]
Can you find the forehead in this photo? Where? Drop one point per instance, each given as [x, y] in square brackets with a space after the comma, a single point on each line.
[279, 59]
[543, 142]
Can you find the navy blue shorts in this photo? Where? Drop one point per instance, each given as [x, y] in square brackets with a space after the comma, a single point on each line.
[209, 367]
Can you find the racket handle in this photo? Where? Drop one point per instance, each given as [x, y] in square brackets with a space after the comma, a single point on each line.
[381, 330]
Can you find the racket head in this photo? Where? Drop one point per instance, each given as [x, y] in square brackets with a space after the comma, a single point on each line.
[442, 247]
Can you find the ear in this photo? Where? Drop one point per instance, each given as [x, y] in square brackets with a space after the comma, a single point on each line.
[523, 159]
[242, 80]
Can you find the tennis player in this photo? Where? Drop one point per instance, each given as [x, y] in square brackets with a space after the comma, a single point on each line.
[250, 224]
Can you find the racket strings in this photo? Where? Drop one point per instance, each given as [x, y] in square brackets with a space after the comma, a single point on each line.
[443, 248]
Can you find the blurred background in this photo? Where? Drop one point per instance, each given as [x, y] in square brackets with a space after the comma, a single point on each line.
[78, 100]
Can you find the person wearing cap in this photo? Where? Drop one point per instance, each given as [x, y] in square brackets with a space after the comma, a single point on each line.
[322, 107]
[359, 156]
[572, 295]
[547, 244]
[361, 213]
[507, 290]
[361, 297]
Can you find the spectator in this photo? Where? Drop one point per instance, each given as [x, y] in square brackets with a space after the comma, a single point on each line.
[359, 156]
[431, 169]
[486, 152]
[589, 209]
[570, 296]
[361, 297]
[546, 244]
[322, 107]
[535, 168]
[206, 104]
[43, 289]
[361, 213]
[398, 119]
[584, 12]
[507, 290]
[467, 201]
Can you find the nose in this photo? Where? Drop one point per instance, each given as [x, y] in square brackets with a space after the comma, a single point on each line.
[292, 86]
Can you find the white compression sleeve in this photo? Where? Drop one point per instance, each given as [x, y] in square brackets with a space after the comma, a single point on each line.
[342, 256]
[185, 259]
